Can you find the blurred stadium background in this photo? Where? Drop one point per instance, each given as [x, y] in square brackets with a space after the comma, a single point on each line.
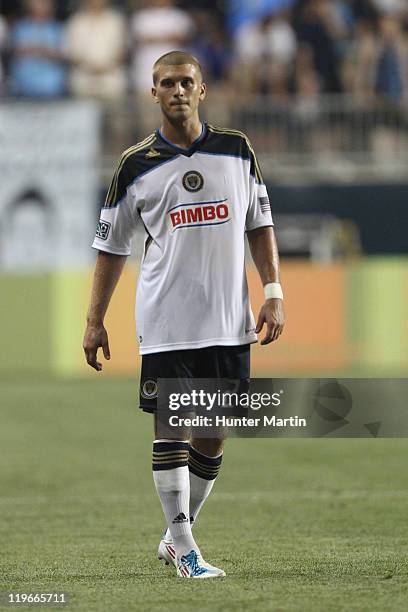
[321, 88]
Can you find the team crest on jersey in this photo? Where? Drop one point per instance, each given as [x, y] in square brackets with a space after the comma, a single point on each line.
[193, 181]
[198, 214]
[103, 229]
[149, 389]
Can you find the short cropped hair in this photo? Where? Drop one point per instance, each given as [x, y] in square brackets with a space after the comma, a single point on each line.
[175, 58]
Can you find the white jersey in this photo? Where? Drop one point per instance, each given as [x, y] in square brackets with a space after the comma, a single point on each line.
[195, 205]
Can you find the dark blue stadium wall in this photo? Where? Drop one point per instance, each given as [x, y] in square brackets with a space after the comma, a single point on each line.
[379, 211]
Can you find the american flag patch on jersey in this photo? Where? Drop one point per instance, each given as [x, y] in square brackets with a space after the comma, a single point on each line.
[265, 205]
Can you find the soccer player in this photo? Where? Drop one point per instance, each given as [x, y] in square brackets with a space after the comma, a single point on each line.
[196, 189]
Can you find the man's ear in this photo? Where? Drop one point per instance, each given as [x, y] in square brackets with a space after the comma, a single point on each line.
[154, 95]
[203, 91]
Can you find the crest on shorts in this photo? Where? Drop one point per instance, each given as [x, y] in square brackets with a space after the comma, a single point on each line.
[149, 389]
[193, 181]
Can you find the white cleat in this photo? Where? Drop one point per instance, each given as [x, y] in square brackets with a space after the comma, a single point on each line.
[193, 565]
[167, 552]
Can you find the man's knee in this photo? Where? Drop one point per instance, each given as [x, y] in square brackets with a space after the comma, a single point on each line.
[164, 431]
[212, 447]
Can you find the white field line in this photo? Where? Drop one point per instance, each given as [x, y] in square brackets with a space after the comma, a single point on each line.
[245, 496]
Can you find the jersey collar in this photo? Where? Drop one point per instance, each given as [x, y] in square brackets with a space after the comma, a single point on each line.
[182, 150]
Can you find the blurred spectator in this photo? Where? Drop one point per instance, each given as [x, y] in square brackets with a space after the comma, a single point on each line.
[316, 26]
[280, 39]
[36, 42]
[211, 47]
[10, 8]
[344, 14]
[390, 7]
[279, 51]
[306, 103]
[265, 53]
[360, 65]
[306, 85]
[3, 38]
[380, 60]
[364, 9]
[96, 47]
[391, 65]
[65, 8]
[156, 30]
[248, 46]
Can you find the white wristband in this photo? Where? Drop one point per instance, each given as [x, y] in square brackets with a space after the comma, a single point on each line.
[273, 290]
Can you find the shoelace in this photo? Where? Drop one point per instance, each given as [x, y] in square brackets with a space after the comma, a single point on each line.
[192, 560]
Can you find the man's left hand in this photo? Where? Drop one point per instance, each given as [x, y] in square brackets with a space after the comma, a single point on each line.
[272, 314]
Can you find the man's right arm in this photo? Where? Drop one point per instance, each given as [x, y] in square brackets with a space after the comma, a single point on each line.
[107, 273]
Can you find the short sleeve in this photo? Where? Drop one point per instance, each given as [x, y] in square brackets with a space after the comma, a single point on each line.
[118, 218]
[259, 212]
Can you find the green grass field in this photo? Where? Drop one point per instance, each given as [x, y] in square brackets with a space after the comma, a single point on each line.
[297, 524]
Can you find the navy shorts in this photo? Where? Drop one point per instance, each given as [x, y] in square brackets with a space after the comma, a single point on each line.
[232, 362]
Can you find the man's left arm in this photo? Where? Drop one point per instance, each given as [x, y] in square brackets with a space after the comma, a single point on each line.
[264, 251]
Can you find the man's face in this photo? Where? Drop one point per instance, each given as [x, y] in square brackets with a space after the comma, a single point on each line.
[179, 90]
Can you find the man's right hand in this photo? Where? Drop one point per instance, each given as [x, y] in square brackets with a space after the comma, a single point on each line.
[95, 337]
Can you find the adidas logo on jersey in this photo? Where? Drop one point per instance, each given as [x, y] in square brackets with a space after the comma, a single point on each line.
[152, 153]
[193, 215]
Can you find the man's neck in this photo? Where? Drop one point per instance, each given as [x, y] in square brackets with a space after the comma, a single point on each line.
[182, 134]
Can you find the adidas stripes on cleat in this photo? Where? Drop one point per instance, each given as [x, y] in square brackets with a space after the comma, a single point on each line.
[167, 552]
